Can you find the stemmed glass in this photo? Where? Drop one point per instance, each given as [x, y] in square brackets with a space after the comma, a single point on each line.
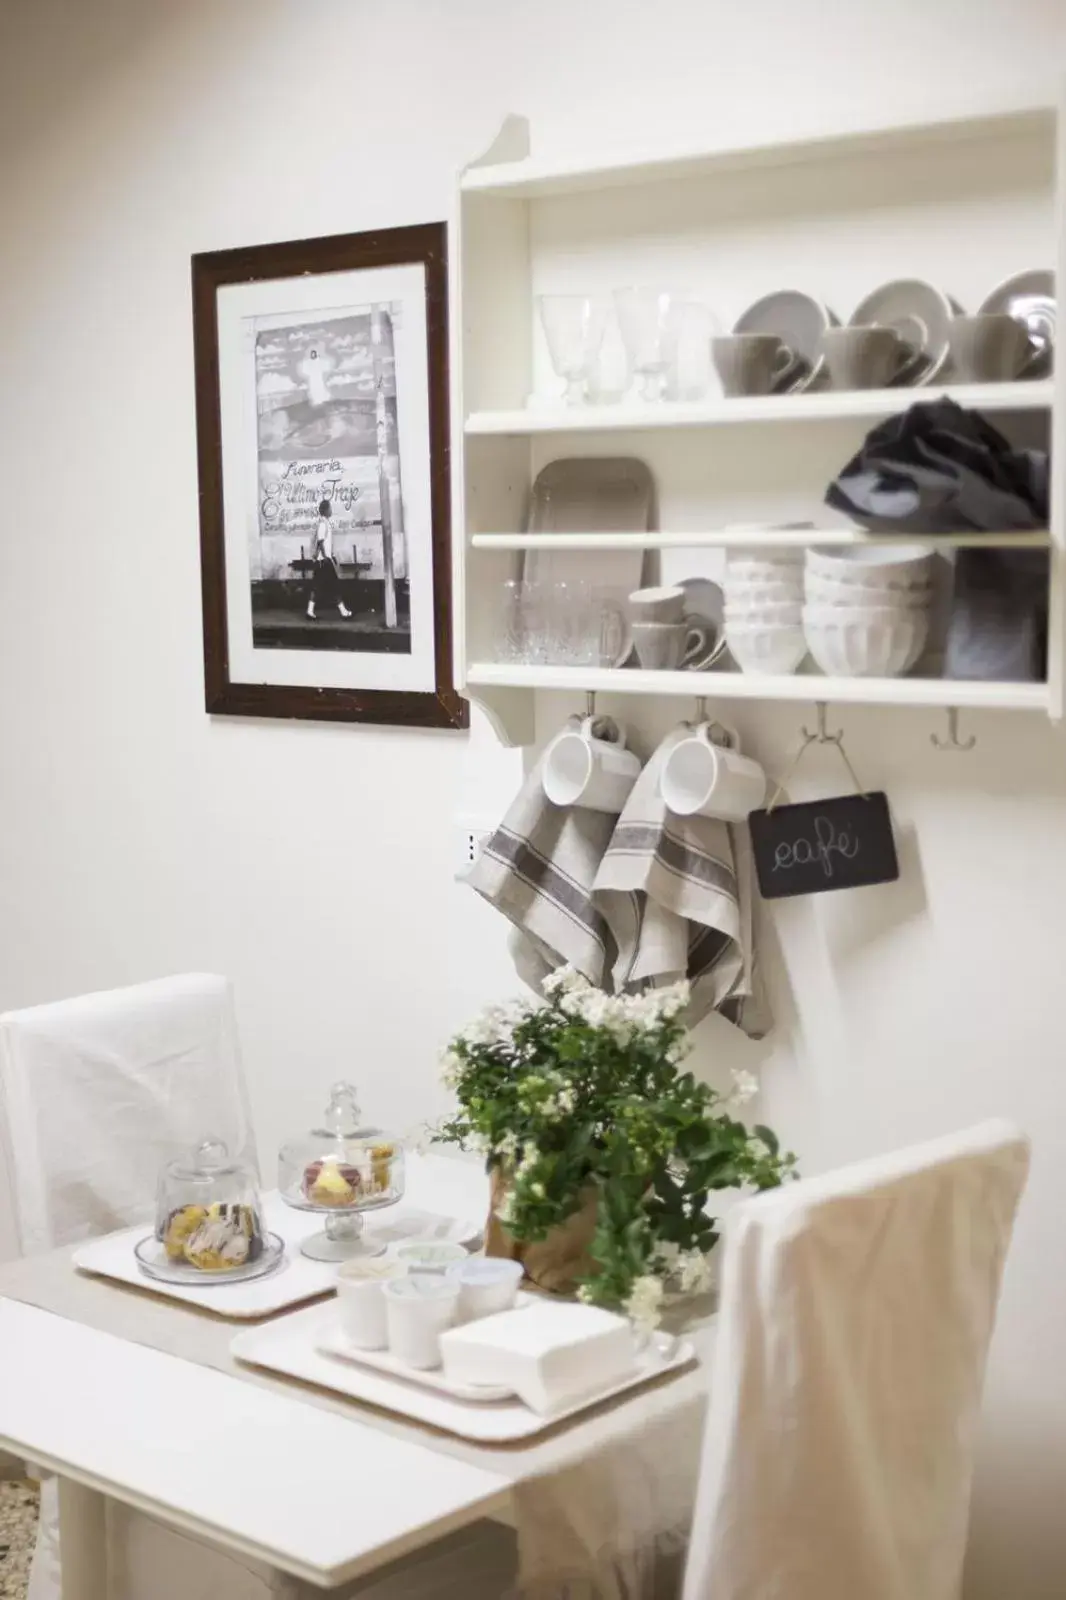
[573, 327]
[646, 319]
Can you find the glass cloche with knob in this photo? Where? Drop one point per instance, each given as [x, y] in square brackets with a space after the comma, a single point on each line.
[341, 1170]
[209, 1220]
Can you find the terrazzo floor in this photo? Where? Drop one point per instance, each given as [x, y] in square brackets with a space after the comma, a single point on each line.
[18, 1529]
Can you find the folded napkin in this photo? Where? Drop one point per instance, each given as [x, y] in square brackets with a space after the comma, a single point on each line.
[675, 903]
[538, 868]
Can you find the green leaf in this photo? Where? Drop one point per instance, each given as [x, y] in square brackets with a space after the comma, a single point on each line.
[768, 1137]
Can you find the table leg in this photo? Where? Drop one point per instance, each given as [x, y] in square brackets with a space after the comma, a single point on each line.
[82, 1541]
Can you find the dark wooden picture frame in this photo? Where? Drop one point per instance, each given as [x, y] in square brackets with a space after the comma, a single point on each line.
[442, 707]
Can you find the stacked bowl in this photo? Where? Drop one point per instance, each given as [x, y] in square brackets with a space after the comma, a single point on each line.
[764, 610]
[868, 608]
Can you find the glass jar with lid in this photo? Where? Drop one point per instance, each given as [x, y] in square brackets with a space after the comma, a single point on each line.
[341, 1170]
[209, 1219]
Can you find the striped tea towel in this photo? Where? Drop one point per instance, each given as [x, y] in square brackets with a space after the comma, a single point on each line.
[675, 904]
[537, 868]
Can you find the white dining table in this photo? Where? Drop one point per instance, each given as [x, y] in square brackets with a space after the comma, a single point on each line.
[126, 1394]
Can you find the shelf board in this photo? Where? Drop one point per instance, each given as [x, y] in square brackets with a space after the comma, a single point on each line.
[828, 405]
[807, 687]
[754, 539]
[530, 179]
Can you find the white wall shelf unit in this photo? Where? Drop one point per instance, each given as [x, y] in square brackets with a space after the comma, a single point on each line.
[808, 687]
[866, 405]
[963, 203]
[750, 539]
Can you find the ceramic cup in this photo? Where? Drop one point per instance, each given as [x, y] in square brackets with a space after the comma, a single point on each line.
[701, 777]
[361, 1303]
[666, 646]
[657, 605]
[866, 358]
[417, 1311]
[429, 1255]
[487, 1284]
[753, 363]
[582, 768]
[991, 348]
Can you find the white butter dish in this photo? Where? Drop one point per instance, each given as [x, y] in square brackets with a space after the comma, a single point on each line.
[549, 1355]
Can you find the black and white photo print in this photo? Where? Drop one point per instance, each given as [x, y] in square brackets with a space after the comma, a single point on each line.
[322, 418]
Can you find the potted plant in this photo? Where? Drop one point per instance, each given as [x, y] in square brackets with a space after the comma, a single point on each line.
[603, 1151]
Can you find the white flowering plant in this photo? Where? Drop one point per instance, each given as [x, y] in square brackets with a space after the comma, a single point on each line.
[583, 1093]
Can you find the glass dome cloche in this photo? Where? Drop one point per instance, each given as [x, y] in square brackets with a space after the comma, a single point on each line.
[341, 1170]
[209, 1218]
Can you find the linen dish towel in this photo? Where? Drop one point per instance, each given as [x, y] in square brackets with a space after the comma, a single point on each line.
[677, 906]
[537, 868]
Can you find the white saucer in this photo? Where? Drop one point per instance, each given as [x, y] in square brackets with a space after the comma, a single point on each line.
[920, 314]
[800, 321]
[704, 599]
[1029, 297]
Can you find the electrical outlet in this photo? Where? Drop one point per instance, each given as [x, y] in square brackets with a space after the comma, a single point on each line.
[470, 843]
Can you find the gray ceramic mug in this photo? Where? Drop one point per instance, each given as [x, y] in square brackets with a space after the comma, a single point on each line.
[990, 348]
[754, 363]
[867, 357]
[666, 646]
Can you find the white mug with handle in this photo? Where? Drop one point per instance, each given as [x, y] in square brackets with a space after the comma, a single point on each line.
[583, 768]
[702, 777]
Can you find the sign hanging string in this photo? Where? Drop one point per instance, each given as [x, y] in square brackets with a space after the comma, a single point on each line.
[819, 737]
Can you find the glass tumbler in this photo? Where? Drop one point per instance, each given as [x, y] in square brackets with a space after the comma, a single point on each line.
[645, 317]
[526, 634]
[573, 327]
[690, 327]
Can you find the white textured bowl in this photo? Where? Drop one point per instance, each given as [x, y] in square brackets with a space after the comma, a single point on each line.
[865, 642]
[764, 648]
[773, 566]
[751, 591]
[768, 613]
[841, 592]
[873, 566]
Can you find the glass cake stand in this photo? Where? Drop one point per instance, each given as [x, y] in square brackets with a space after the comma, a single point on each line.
[341, 1171]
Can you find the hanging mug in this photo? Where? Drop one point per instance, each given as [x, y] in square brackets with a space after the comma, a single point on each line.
[702, 777]
[584, 768]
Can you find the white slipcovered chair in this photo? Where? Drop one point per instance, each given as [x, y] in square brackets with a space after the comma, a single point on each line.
[855, 1320]
[96, 1094]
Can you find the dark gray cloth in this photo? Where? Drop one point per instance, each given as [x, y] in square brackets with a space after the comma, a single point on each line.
[939, 468]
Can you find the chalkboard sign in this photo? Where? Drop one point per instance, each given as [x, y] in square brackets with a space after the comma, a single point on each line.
[841, 843]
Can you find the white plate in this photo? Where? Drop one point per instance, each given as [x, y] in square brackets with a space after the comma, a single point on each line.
[1029, 297]
[334, 1342]
[410, 1226]
[920, 314]
[289, 1347]
[156, 1264]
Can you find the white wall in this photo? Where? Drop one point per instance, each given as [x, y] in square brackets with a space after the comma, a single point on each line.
[314, 863]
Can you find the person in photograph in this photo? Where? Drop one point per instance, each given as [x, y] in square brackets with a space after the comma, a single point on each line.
[325, 579]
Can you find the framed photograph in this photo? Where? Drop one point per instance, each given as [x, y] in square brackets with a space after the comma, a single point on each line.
[322, 427]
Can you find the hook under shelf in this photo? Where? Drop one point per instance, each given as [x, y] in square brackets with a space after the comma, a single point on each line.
[953, 742]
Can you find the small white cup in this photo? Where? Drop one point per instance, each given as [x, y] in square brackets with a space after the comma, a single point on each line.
[361, 1302]
[581, 770]
[430, 1255]
[417, 1311]
[487, 1284]
[701, 778]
